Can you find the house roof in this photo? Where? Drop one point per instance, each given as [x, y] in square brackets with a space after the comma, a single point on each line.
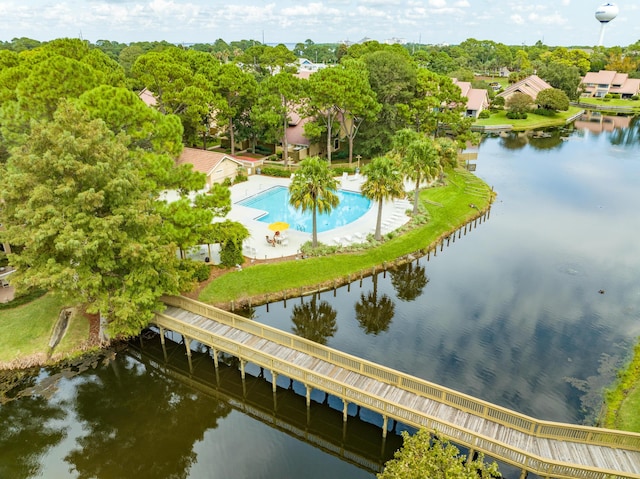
[203, 161]
[614, 81]
[603, 77]
[532, 85]
[148, 97]
[631, 86]
[477, 98]
[295, 133]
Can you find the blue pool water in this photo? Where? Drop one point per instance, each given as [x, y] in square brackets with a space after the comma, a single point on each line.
[274, 202]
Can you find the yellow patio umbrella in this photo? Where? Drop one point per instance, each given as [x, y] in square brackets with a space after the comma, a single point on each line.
[279, 226]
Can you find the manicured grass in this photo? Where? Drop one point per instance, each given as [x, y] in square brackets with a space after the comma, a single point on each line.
[610, 102]
[623, 401]
[629, 414]
[533, 121]
[461, 190]
[26, 330]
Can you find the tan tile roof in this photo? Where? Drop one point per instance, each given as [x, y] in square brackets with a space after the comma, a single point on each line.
[532, 85]
[202, 160]
[148, 97]
[630, 87]
[603, 77]
[477, 98]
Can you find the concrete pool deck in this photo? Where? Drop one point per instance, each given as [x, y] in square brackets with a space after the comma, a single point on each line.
[256, 246]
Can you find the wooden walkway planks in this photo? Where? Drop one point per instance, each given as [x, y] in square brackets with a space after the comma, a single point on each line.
[571, 453]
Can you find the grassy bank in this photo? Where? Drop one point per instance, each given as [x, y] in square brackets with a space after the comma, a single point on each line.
[622, 403]
[612, 103]
[532, 121]
[448, 206]
[25, 332]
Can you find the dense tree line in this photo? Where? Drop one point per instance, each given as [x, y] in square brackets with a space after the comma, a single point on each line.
[50, 92]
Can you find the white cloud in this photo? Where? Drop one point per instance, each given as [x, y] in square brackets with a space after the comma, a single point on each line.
[553, 19]
[517, 19]
[438, 3]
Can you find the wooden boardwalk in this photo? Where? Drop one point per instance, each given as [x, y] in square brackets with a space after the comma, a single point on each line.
[545, 448]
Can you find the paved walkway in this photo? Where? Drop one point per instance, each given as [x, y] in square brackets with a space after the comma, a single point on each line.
[256, 247]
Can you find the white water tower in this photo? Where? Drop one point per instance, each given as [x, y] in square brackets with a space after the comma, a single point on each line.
[604, 14]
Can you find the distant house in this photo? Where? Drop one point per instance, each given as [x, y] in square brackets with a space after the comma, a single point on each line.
[605, 81]
[532, 85]
[477, 98]
[504, 72]
[216, 166]
[307, 65]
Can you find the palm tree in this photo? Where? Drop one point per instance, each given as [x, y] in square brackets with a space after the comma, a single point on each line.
[383, 182]
[313, 189]
[419, 159]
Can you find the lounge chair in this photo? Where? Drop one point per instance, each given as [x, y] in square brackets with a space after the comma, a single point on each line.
[270, 241]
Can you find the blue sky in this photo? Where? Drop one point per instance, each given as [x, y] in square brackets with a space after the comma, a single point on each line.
[514, 22]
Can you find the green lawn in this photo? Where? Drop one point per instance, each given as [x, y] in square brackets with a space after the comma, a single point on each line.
[623, 401]
[629, 413]
[26, 330]
[462, 189]
[533, 121]
[611, 102]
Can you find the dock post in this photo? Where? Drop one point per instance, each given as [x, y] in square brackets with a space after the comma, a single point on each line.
[242, 364]
[524, 474]
[214, 352]
[309, 389]
[164, 347]
[187, 343]
[344, 410]
[385, 423]
[274, 378]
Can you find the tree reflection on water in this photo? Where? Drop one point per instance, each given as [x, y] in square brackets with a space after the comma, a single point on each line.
[314, 320]
[409, 280]
[374, 313]
[128, 434]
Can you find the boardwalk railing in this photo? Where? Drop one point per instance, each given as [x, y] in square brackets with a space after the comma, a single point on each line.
[513, 454]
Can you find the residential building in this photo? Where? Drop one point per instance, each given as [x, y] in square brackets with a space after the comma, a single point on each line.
[532, 85]
[216, 166]
[477, 98]
[598, 84]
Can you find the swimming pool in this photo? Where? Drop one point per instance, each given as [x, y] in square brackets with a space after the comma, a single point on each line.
[274, 206]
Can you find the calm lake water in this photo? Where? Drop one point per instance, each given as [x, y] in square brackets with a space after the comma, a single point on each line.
[532, 309]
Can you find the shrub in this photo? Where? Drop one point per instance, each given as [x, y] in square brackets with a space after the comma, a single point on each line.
[544, 112]
[231, 254]
[201, 271]
[340, 154]
[635, 97]
[240, 177]
[484, 114]
[24, 298]
[514, 115]
[226, 182]
[275, 171]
